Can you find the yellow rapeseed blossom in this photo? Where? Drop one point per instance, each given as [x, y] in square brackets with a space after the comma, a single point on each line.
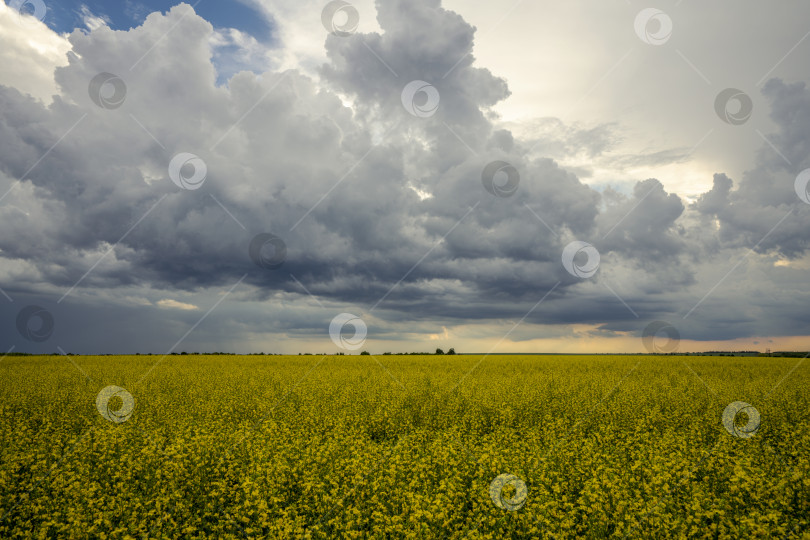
[300, 447]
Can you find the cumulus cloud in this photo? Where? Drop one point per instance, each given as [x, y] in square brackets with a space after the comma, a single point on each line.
[30, 53]
[377, 208]
[764, 212]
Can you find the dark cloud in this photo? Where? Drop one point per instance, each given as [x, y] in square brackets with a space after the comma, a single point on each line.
[371, 201]
[764, 212]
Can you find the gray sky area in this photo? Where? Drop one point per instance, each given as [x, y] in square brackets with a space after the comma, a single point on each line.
[506, 177]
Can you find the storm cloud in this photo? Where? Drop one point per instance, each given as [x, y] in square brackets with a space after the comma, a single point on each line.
[375, 194]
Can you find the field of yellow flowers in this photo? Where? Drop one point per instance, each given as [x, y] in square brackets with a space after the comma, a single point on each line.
[404, 447]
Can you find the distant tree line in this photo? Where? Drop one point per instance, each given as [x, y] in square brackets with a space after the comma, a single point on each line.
[778, 354]
[438, 351]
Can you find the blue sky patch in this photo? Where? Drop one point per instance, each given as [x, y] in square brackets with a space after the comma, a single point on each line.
[125, 14]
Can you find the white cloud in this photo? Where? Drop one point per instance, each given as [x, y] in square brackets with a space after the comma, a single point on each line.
[236, 51]
[29, 54]
[91, 20]
[174, 304]
[302, 34]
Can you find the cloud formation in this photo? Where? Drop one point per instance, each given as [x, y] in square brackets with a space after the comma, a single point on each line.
[377, 208]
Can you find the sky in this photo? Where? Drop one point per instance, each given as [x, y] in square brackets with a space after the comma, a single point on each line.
[404, 175]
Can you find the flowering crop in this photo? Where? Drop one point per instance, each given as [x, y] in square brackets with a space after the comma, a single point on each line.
[363, 446]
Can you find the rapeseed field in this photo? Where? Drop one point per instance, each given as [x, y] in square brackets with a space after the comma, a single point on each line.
[404, 447]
